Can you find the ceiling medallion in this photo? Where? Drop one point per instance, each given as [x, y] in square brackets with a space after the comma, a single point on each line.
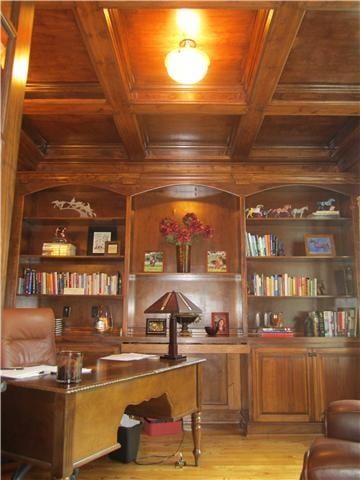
[187, 64]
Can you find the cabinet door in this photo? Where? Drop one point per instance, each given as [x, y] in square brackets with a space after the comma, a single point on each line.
[337, 376]
[280, 385]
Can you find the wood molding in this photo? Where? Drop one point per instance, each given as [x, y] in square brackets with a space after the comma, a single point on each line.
[301, 107]
[285, 23]
[317, 92]
[29, 154]
[294, 154]
[81, 153]
[66, 106]
[63, 90]
[97, 38]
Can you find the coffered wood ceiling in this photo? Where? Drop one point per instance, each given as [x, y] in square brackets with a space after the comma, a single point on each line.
[282, 87]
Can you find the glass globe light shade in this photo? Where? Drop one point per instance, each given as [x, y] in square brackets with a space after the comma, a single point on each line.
[187, 64]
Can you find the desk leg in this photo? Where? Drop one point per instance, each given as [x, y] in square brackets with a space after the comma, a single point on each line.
[196, 433]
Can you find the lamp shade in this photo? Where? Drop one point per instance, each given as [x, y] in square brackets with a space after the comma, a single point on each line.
[187, 64]
[174, 303]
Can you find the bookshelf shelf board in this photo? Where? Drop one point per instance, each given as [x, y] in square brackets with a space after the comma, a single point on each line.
[299, 258]
[298, 297]
[72, 258]
[74, 220]
[188, 276]
[297, 220]
[61, 295]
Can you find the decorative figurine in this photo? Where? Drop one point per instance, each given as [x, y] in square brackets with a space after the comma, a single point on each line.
[299, 212]
[84, 209]
[256, 212]
[60, 235]
[284, 211]
[326, 204]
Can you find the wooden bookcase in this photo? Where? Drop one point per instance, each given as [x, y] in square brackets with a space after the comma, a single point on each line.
[39, 223]
[291, 231]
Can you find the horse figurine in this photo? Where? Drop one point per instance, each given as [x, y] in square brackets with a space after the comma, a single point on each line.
[326, 204]
[299, 212]
[282, 211]
[254, 211]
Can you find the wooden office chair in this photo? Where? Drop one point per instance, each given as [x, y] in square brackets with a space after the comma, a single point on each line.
[27, 337]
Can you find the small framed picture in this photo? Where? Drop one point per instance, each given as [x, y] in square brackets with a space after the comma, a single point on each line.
[220, 320]
[156, 326]
[112, 247]
[216, 261]
[322, 245]
[97, 238]
[154, 262]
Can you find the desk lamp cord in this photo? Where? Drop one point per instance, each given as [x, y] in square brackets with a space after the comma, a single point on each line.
[179, 463]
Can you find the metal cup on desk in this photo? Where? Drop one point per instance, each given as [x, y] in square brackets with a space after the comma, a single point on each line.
[69, 367]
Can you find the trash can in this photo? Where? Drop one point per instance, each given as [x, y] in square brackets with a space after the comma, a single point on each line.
[129, 437]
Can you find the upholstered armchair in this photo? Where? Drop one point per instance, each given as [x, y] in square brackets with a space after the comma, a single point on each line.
[337, 455]
[27, 337]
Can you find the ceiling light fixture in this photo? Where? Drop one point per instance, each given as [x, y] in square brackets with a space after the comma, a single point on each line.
[187, 64]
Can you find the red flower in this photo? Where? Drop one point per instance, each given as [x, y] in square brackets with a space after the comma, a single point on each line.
[184, 234]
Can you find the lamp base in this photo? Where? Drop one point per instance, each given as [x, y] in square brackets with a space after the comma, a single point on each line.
[177, 358]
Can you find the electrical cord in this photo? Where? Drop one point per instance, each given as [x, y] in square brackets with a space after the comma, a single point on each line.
[179, 463]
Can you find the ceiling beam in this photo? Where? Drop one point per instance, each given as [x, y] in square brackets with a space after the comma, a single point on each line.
[100, 45]
[63, 90]
[317, 92]
[297, 154]
[285, 23]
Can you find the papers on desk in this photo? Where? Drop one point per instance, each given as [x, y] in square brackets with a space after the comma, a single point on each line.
[27, 372]
[35, 371]
[127, 357]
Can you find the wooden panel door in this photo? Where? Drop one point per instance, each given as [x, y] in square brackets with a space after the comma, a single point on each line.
[280, 385]
[336, 376]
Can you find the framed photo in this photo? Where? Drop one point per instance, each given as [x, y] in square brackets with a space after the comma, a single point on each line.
[154, 262]
[220, 319]
[97, 238]
[112, 247]
[216, 261]
[156, 326]
[322, 245]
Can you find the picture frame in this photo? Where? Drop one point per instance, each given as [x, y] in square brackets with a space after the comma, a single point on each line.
[112, 247]
[216, 261]
[97, 238]
[320, 245]
[220, 319]
[153, 262]
[156, 326]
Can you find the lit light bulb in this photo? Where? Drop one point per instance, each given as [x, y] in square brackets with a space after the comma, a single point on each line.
[187, 64]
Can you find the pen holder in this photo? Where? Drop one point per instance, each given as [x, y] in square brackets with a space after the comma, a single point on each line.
[69, 366]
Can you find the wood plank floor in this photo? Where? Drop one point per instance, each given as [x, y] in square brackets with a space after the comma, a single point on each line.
[226, 456]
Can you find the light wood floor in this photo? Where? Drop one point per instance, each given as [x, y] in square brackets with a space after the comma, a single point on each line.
[226, 456]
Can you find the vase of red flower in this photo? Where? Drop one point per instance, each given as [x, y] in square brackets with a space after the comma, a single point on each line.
[182, 236]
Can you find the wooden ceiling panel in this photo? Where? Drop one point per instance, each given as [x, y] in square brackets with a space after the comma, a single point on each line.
[148, 35]
[74, 129]
[326, 50]
[57, 50]
[188, 131]
[297, 131]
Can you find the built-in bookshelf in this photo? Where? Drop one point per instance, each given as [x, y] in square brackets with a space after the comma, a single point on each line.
[282, 277]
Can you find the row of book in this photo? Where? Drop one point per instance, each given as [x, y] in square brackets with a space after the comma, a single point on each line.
[275, 332]
[267, 245]
[34, 282]
[283, 284]
[329, 323]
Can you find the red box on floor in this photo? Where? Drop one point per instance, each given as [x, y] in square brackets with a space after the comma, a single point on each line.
[155, 427]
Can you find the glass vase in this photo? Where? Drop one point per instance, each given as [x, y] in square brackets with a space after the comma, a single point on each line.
[183, 258]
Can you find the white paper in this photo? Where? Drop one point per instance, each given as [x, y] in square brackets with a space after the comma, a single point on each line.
[127, 357]
[35, 371]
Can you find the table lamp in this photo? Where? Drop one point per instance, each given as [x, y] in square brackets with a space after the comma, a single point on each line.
[177, 305]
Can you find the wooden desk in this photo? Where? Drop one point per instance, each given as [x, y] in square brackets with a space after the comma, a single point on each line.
[62, 428]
